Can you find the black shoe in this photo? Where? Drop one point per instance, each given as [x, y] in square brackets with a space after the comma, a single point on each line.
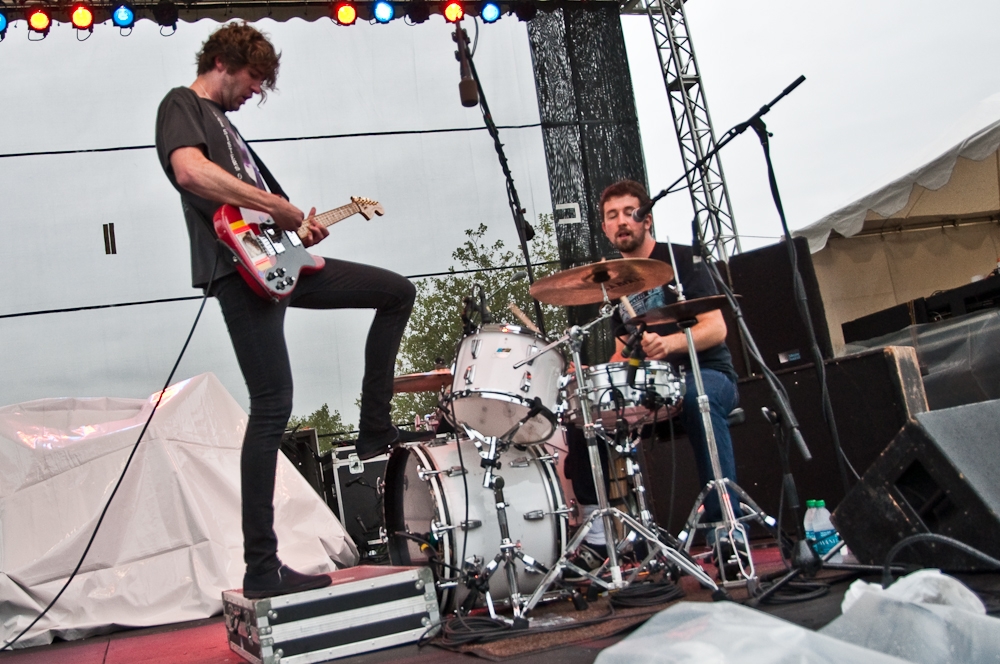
[369, 447]
[282, 581]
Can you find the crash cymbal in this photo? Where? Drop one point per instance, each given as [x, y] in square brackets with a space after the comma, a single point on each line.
[582, 285]
[429, 381]
[685, 310]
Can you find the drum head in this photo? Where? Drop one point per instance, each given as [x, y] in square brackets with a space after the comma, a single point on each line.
[425, 506]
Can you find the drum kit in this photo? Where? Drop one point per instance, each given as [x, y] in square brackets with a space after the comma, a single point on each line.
[491, 495]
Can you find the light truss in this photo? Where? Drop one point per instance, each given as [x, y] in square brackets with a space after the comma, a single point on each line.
[692, 122]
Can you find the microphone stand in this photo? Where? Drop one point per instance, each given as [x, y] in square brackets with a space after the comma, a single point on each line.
[524, 230]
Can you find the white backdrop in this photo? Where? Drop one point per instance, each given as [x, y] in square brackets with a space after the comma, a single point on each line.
[882, 80]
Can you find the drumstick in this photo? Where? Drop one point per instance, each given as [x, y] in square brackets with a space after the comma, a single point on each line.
[628, 306]
[521, 316]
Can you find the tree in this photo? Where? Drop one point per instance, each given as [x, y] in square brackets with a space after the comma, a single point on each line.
[435, 327]
[329, 425]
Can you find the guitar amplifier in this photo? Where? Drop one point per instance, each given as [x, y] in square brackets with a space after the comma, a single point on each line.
[367, 608]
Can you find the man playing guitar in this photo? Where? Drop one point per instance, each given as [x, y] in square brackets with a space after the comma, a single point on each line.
[208, 162]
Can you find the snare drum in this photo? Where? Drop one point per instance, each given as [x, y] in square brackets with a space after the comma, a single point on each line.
[425, 497]
[611, 395]
[491, 396]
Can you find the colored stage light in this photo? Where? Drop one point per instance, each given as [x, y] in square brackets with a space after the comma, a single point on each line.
[39, 20]
[123, 16]
[384, 11]
[453, 11]
[490, 12]
[82, 17]
[345, 13]
[3, 23]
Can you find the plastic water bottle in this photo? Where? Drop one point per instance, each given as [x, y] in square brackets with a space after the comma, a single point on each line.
[826, 535]
[808, 520]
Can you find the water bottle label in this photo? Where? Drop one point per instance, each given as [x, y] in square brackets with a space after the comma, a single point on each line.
[826, 540]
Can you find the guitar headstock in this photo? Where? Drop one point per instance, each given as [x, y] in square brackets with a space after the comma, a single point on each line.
[367, 207]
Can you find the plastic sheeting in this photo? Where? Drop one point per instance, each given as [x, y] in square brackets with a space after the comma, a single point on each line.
[925, 617]
[958, 357]
[698, 632]
[171, 541]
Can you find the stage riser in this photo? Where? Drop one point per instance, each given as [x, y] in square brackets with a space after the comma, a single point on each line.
[873, 395]
[939, 475]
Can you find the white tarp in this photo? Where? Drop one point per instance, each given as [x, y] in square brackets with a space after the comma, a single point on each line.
[171, 541]
[910, 199]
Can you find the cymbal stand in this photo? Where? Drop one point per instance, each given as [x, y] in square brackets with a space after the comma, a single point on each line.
[575, 336]
[730, 526]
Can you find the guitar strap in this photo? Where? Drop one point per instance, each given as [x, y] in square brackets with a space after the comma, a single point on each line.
[265, 173]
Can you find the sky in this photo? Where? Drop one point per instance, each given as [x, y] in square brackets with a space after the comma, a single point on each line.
[882, 81]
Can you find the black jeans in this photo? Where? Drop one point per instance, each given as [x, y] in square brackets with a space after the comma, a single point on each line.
[256, 327]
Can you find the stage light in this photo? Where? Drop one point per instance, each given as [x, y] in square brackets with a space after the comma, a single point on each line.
[3, 23]
[82, 18]
[418, 11]
[384, 11]
[345, 13]
[166, 14]
[123, 16]
[453, 11]
[39, 20]
[490, 12]
[525, 11]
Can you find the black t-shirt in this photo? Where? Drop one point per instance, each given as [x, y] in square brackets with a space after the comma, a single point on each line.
[697, 283]
[187, 120]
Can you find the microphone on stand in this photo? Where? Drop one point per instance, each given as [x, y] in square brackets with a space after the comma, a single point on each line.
[640, 213]
[633, 351]
[468, 91]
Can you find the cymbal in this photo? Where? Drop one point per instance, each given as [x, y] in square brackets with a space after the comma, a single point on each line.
[685, 310]
[582, 285]
[429, 381]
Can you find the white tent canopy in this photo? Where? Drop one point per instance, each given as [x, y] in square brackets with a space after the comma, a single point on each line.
[933, 229]
[960, 182]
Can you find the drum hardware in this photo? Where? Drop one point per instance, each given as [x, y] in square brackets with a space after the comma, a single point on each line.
[730, 527]
[574, 337]
[438, 528]
[454, 471]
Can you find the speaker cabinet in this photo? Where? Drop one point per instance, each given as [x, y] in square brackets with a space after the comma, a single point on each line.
[763, 278]
[940, 474]
[873, 393]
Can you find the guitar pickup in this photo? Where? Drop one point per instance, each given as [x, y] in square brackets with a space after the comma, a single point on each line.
[293, 238]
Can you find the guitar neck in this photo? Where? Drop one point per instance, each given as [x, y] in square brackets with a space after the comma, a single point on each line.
[333, 216]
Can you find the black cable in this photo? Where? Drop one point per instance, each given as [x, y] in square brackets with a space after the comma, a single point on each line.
[646, 594]
[931, 537]
[198, 297]
[802, 304]
[318, 137]
[135, 447]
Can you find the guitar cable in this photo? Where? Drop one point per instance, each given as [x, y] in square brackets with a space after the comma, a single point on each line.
[8, 645]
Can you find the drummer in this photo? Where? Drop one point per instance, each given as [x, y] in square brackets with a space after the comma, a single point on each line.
[667, 342]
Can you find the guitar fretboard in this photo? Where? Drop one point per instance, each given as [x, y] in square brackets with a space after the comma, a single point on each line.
[331, 217]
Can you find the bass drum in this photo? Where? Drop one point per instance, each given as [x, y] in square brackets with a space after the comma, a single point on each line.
[424, 503]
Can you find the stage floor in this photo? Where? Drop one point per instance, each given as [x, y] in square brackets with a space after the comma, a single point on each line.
[204, 641]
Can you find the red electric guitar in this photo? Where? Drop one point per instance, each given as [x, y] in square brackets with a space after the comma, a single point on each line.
[270, 259]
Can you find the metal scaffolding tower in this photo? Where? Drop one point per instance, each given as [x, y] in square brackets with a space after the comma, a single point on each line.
[692, 122]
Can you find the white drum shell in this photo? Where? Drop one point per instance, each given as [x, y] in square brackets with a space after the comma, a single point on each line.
[531, 485]
[491, 396]
[605, 379]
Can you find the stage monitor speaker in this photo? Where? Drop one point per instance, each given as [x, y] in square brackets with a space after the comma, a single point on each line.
[940, 474]
[874, 393]
[763, 278]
